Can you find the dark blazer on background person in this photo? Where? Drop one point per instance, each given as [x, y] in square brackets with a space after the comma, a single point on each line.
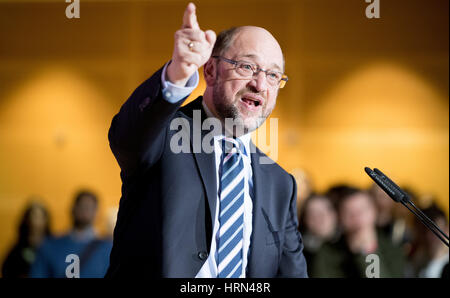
[167, 209]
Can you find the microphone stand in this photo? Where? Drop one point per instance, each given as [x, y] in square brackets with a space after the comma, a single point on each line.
[399, 196]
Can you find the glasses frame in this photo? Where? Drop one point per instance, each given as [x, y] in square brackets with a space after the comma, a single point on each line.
[281, 83]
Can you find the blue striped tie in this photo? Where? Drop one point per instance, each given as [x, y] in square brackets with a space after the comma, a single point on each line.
[231, 216]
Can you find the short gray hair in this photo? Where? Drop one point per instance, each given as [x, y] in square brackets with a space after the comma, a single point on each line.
[224, 40]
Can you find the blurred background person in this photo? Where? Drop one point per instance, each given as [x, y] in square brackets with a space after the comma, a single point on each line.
[318, 224]
[337, 191]
[392, 218]
[430, 255]
[347, 257]
[92, 251]
[34, 227]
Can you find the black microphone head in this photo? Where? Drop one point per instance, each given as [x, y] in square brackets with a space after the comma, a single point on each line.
[381, 181]
[378, 172]
[401, 195]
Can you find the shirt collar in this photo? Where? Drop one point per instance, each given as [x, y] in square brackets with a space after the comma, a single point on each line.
[85, 235]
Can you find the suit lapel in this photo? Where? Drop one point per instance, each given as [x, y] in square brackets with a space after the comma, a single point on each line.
[261, 189]
[205, 161]
[207, 167]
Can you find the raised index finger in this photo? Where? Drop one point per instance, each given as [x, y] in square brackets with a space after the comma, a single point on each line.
[190, 18]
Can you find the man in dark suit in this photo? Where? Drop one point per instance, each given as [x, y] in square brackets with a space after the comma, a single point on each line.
[205, 202]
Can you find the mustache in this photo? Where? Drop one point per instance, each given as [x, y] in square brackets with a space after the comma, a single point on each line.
[251, 92]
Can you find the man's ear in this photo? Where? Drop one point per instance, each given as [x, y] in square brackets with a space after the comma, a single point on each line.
[210, 72]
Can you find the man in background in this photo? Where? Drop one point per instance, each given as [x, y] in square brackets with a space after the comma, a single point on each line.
[93, 253]
[430, 255]
[360, 238]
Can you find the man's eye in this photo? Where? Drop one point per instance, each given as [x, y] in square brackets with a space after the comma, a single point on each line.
[274, 76]
[246, 66]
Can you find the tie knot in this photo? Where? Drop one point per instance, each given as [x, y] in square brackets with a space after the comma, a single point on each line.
[230, 145]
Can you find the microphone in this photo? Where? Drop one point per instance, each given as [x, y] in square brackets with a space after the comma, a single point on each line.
[386, 185]
[399, 196]
[403, 195]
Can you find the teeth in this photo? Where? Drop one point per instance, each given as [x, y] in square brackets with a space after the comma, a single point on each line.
[250, 101]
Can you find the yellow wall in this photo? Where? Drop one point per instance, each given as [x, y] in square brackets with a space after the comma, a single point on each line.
[361, 92]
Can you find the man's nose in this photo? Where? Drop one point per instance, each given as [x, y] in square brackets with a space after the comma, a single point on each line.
[259, 81]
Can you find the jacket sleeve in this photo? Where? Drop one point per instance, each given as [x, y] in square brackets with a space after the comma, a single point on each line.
[137, 133]
[293, 263]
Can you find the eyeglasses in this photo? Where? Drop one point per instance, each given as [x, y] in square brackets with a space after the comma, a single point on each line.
[247, 70]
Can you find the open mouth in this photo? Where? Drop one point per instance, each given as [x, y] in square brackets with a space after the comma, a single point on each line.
[251, 101]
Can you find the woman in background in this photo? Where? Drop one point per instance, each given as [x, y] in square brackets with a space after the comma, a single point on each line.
[33, 229]
[318, 224]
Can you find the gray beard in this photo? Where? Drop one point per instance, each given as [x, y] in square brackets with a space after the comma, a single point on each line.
[225, 111]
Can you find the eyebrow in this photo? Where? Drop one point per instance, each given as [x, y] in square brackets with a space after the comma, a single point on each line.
[273, 66]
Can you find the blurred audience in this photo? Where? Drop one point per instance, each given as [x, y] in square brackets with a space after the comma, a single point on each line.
[430, 255]
[92, 251]
[317, 223]
[346, 257]
[33, 228]
[392, 218]
[339, 227]
[336, 192]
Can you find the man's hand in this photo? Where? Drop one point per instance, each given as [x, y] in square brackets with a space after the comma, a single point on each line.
[192, 48]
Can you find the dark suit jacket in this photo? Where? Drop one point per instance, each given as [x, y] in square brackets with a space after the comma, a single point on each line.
[164, 225]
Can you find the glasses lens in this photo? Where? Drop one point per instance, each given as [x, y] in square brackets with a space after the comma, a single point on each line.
[248, 70]
[273, 78]
[245, 69]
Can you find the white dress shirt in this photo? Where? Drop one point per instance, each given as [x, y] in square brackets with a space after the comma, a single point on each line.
[174, 93]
